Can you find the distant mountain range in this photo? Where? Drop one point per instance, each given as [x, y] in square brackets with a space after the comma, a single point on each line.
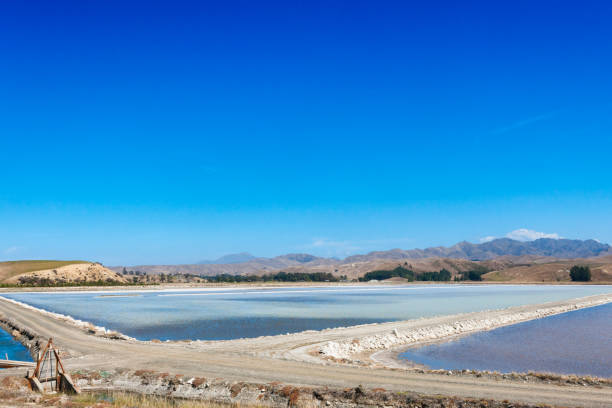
[245, 263]
[557, 248]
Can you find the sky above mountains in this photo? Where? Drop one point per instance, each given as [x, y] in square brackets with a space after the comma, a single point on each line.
[171, 132]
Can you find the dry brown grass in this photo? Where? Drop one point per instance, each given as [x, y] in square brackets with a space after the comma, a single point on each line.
[13, 268]
[555, 272]
[13, 388]
[198, 381]
[235, 389]
[63, 273]
[125, 400]
[291, 393]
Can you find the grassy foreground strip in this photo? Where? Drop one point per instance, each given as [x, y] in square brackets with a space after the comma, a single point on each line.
[122, 399]
[14, 392]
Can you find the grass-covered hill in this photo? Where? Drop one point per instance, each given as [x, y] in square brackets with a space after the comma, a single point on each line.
[50, 272]
[553, 271]
[13, 268]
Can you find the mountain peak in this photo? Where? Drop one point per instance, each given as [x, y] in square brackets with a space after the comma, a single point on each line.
[301, 258]
[231, 259]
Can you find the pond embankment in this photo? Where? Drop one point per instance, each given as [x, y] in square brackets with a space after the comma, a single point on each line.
[428, 330]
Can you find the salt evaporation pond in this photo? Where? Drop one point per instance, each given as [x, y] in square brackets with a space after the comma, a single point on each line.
[215, 314]
[577, 342]
[12, 349]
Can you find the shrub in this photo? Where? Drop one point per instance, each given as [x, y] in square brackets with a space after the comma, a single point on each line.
[441, 276]
[387, 274]
[474, 275]
[400, 271]
[276, 277]
[580, 273]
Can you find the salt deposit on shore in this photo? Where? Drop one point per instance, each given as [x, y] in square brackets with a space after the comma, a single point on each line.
[346, 349]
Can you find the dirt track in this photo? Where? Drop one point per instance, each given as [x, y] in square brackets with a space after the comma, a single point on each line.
[285, 359]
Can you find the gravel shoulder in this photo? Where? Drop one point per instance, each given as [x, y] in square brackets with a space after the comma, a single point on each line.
[295, 359]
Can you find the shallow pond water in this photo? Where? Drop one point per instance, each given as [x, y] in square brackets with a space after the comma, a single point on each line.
[12, 348]
[577, 342]
[213, 314]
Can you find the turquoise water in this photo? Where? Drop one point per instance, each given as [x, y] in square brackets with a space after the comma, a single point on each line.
[234, 313]
[578, 342]
[12, 348]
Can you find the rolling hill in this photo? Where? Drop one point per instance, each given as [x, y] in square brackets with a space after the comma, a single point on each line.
[31, 271]
[552, 271]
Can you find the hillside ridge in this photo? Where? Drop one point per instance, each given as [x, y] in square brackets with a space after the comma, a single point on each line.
[37, 272]
[505, 250]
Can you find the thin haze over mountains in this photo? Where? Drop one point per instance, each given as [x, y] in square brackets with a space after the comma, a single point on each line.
[230, 259]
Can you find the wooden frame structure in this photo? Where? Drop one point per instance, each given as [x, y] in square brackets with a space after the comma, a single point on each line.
[49, 374]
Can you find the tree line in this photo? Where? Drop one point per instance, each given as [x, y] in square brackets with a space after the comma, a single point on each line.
[470, 276]
[277, 277]
[35, 281]
[441, 276]
[580, 273]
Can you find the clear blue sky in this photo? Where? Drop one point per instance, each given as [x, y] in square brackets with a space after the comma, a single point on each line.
[171, 132]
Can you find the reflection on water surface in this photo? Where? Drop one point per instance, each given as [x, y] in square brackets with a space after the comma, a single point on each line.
[578, 342]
